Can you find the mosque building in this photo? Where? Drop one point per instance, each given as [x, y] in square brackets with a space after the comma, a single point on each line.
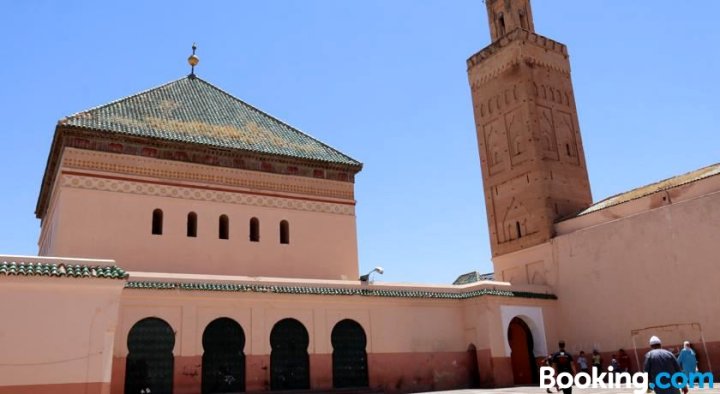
[192, 243]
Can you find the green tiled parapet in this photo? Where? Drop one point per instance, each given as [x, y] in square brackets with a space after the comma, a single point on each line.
[332, 291]
[23, 268]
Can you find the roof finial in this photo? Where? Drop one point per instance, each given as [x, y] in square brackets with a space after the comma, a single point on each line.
[193, 61]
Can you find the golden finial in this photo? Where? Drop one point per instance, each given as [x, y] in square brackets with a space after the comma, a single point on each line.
[193, 61]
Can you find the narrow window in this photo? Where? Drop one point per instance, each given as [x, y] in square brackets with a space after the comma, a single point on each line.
[523, 20]
[157, 222]
[567, 148]
[517, 227]
[224, 230]
[192, 224]
[254, 230]
[284, 232]
[501, 25]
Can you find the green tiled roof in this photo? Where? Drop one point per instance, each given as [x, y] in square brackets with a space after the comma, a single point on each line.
[472, 277]
[332, 291]
[646, 190]
[192, 110]
[22, 268]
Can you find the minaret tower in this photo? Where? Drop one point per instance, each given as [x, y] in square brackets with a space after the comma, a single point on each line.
[531, 153]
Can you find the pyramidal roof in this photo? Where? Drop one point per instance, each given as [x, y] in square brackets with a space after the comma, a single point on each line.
[194, 111]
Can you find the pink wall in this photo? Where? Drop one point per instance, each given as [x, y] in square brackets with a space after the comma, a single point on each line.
[57, 332]
[106, 216]
[654, 268]
[625, 273]
[413, 344]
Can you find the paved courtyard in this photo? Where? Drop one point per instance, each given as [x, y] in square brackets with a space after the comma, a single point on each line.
[537, 390]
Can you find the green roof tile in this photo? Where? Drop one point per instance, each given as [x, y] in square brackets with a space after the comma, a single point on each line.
[472, 277]
[252, 288]
[194, 111]
[10, 268]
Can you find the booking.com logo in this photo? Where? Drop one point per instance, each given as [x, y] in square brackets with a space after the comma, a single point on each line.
[610, 380]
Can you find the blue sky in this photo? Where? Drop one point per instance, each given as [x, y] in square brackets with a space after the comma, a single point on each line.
[385, 82]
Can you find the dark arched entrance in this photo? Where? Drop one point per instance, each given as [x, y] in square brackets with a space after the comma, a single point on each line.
[150, 361]
[289, 360]
[350, 367]
[223, 360]
[473, 368]
[521, 352]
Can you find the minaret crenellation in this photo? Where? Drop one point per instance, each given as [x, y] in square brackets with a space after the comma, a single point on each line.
[531, 153]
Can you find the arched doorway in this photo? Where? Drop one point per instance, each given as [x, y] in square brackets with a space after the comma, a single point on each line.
[350, 367]
[289, 360]
[149, 364]
[223, 360]
[473, 368]
[521, 352]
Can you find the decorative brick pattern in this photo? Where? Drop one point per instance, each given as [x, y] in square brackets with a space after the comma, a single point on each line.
[189, 193]
[170, 170]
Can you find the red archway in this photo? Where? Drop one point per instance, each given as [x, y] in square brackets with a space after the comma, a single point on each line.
[521, 353]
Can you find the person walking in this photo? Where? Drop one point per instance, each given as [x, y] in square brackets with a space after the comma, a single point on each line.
[687, 360]
[596, 360]
[659, 360]
[582, 362]
[562, 362]
[624, 361]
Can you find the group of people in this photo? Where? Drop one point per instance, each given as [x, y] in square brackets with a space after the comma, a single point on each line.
[657, 360]
[619, 362]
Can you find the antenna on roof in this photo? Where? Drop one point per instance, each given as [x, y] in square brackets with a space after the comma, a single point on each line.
[193, 61]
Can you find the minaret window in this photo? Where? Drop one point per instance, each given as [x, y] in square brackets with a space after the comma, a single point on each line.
[523, 20]
[192, 224]
[501, 25]
[224, 227]
[567, 148]
[254, 230]
[157, 222]
[517, 227]
[284, 232]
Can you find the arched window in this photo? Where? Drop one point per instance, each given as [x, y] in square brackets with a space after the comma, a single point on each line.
[501, 25]
[157, 222]
[224, 229]
[254, 230]
[192, 224]
[284, 232]
[517, 227]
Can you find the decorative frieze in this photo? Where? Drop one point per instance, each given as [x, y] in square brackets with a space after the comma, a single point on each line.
[146, 188]
[178, 171]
